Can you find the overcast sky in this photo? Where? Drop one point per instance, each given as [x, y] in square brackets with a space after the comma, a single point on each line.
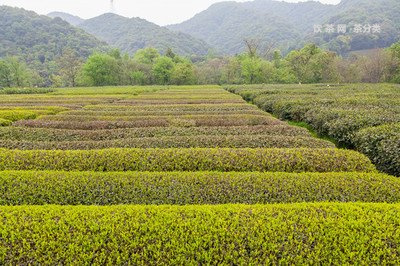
[162, 12]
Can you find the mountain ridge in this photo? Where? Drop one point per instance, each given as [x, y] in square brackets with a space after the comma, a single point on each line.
[294, 23]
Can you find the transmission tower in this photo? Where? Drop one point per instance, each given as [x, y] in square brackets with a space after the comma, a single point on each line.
[112, 7]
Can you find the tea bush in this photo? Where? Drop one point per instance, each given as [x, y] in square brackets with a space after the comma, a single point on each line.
[194, 159]
[200, 141]
[114, 188]
[323, 233]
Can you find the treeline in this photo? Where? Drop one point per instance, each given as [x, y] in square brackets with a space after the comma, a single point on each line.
[310, 64]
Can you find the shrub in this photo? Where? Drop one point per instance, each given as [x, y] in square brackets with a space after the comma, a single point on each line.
[381, 145]
[325, 233]
[201, 141]
[4, 122]
[49, 134]
[114, 188]
[26, 90]
[15, 115]
[242, 160]
[338, 112]
[89, 123]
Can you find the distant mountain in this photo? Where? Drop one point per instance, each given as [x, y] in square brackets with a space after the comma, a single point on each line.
[71, 19]
[40, 39]
[225, 25]
[132, 34]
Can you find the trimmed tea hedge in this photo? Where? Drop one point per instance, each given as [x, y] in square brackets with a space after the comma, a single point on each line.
[238, 141]
[197, 159]
[4, 122]
[125, 114]
[382, 145]
[344, 113]
[327, 233]
[49, 134]
[176, 108]
[114, 188]
[26, 90]
[201, 121]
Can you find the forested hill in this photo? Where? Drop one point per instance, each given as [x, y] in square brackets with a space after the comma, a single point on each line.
[290, 25]
[132, 34]
[40, 39]
[71, 19]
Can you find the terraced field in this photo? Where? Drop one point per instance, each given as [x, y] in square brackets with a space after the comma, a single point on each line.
[182, 176]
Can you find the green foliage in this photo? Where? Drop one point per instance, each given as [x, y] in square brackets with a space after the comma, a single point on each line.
[4, 122]
[15, 115]
[381, 144]
[40, 40]
[183, 74]
[69, 65]
[62, 135]
[101, 70]
[243, 160]
[26, 90]
[14, 73]
[321, 233]
[133, 34]
[201, 141]
[146, 56]
[311, 64]
[114, 188]
[341, 113]
[162, 69]
[288, 26]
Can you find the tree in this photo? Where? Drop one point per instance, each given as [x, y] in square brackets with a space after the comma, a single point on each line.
[146, 56]
[183, 74]
[169, 53]
[251, 70]
[5, 74]
[311, 64]
[19, 73]
[101, 70]
[394, 68]
[69, 65]
[162, 69]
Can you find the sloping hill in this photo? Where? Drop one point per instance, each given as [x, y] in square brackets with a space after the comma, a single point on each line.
[133, 34]
[71, 19]
[225, 25]
[40, 39]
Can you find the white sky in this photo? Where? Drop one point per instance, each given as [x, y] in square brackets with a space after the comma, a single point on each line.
[162, 12]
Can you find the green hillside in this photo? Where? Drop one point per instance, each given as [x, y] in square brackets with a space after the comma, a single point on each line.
[40, 39]
[290, 25]
[133, 34]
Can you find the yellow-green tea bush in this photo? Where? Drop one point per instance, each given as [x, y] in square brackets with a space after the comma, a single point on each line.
[194, 159]
[15, 115]
[293, 234]
[4, 122]
[114, 188]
